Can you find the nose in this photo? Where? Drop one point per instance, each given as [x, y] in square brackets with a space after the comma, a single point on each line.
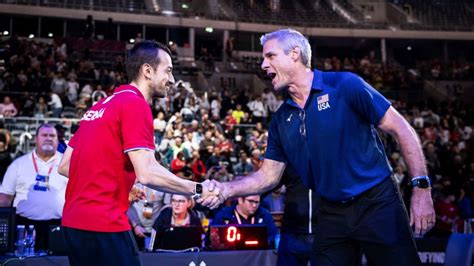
[171, 80]
[264, 64]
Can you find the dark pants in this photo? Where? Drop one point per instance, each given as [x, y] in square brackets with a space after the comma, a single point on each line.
[294, 249]
[41, 228]
[87, 248]
[375, 223]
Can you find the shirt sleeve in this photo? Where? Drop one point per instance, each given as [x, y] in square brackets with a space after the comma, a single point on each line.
[274, 148]
[9, 180]
[137, 126]
[364, 99]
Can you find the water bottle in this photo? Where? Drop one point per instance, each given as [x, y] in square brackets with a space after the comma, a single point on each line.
[20, 241]
[30, 239]
[277, 241]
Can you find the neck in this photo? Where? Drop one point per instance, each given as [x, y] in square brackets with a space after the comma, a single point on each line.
[143, 88]
[300, 89]
[241, 212]
[45, 156]
[180, 216]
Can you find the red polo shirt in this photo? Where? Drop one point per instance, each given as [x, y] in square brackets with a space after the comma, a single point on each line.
[101, 174]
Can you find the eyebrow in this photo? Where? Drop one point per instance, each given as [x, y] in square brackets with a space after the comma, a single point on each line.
[268, 54]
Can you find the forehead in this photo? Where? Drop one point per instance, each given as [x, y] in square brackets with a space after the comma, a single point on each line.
[271, 46]
[256, 198]
[47, 130]
[165, 59]
[179, 197]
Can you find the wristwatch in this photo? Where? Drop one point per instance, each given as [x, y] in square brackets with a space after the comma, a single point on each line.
[421, 182]
[197, 191]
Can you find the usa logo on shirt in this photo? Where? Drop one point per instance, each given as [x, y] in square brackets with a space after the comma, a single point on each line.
[323, 102]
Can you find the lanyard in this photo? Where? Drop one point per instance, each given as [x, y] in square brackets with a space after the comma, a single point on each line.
[46, 181]
[238, 218]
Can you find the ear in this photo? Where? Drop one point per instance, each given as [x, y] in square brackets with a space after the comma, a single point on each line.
[147, 71]
[295, 53]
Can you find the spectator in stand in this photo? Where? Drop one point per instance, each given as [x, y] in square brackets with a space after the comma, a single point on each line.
[198, 168]
[56, 105]
[41, 108]
[159, 125]
[256, 159]
[178, 163]
[7, 108]
[98, 94]
[238, 114]
[58, 84]
[243, 167]
[72, 91]
[258, 110]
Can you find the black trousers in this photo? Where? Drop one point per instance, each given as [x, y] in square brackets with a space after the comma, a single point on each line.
[87, 248]
[294, 249]
[41, 228]
[375, 223]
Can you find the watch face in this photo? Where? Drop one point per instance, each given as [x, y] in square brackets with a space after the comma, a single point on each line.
[198, 188]
[423, 183]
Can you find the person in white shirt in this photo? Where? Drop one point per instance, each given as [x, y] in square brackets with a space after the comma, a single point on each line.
[56, 105]
[159, 125]
[259, 112]
[34, 186]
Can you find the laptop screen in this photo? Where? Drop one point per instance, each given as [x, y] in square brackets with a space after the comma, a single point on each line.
[176, 238]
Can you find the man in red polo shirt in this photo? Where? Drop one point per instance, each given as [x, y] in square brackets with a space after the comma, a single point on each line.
[113, 147]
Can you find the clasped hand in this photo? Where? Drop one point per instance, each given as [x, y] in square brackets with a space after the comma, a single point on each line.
[213, 194]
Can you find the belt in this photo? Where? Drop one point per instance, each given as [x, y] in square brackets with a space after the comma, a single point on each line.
[354, 198]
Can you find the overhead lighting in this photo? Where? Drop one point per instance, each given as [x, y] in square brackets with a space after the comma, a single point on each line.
[5, 33]
[168, 12]
[131, 40]
[409, 48]
[50, 35]
[31, 36]
[185, 6]
[170, 43]
[209, 29]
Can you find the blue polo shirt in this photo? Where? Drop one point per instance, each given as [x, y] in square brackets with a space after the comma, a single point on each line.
[333, 143]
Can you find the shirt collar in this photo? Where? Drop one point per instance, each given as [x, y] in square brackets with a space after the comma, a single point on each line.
[128, 88]
[46, 162]
[316, 86]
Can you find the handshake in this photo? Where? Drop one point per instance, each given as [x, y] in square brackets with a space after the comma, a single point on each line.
[213, 194]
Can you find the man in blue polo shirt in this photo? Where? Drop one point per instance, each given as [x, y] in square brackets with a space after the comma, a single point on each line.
[327, 131]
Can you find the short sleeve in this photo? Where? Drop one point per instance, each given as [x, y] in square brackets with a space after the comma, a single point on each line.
[9, 180]
[137, 126]
[72, 142]
[274, 147]
[364, 99]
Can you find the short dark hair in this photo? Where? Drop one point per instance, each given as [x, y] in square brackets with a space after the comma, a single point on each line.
[145, 52]
[45, 125]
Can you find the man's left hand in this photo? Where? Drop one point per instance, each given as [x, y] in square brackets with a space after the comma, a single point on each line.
[422, 214]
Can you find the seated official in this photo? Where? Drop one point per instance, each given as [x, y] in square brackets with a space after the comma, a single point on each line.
[179, 214]
[247, 211]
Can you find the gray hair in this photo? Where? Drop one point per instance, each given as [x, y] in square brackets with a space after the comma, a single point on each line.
[289, 39]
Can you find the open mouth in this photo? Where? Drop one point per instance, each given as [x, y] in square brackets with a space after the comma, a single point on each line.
[271, 75]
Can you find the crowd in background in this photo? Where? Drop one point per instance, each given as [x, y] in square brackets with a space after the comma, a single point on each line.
[223, 135]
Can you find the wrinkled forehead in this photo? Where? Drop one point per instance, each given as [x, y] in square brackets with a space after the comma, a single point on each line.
[272, 45]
